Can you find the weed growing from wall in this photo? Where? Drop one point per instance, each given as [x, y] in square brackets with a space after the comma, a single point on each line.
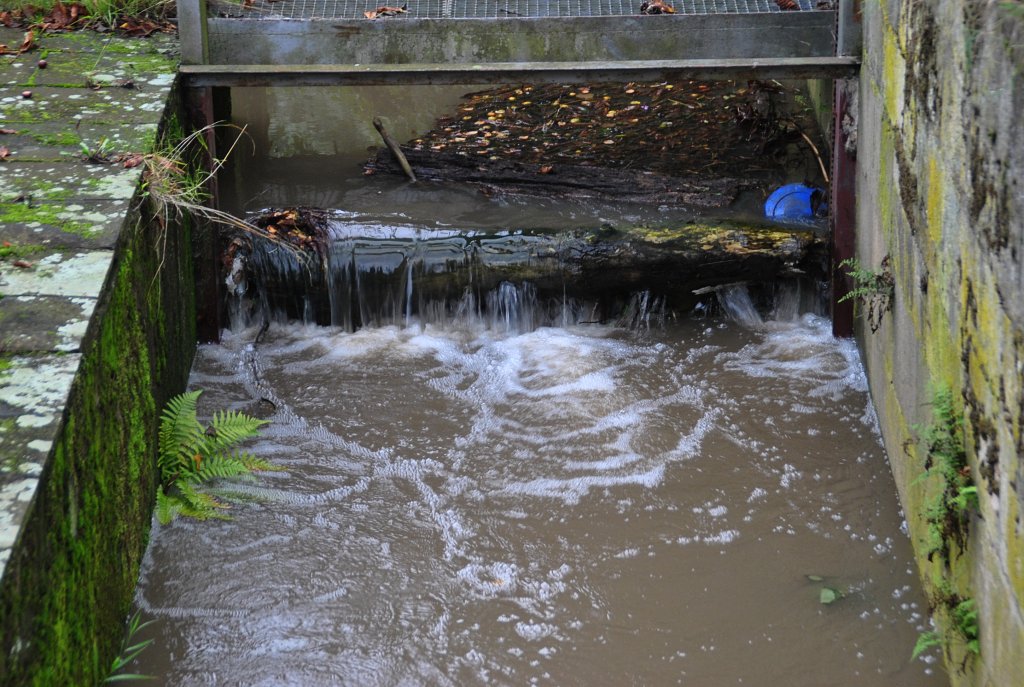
[874, 290]
[175, 184]
[947, 513]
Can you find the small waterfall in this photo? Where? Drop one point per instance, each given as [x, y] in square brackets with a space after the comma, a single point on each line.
[785, 301]
[738, 306]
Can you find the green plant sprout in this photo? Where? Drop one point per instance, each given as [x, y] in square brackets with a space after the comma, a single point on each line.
[925, 641]
[947, 514]
[191, 455]
[874, 289]
[130, 651]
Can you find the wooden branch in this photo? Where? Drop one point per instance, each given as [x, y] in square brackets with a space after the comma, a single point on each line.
[393, 146]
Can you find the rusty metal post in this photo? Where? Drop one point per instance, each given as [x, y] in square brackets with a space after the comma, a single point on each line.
[844, 214]
[199, 104]
[192, 32]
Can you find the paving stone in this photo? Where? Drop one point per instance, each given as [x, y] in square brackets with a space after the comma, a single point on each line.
[74, 224]
[32, 324]
[66, 181]
[76, 274]
[33, 392]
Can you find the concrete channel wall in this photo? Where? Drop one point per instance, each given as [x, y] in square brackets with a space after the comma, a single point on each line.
[97, 323]
[940, 153]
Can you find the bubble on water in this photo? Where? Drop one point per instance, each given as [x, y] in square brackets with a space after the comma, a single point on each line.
[534, 632]
[496, 579]
[756, 494]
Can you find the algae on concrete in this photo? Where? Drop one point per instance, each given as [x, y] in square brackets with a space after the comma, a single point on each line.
[940, 149]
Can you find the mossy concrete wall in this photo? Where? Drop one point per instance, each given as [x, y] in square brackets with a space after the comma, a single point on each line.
[87, 459]
[940, 154]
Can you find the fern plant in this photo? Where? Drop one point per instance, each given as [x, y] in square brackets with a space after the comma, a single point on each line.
[191, 454]
[875, 290]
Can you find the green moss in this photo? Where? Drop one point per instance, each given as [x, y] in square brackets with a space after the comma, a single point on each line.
[64, 138]
[44, 214]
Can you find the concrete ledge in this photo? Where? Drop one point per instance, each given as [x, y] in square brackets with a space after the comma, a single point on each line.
[512, 72]
[561, 39]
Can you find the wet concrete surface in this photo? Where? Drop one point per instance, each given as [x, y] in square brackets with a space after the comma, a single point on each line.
[60, 217]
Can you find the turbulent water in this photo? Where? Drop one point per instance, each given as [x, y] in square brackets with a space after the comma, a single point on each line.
[585, 505]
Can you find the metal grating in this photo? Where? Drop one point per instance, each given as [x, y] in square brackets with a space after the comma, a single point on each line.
[491, 9]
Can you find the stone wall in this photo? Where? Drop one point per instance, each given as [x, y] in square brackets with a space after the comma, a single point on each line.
[940, 156]
[80, 401]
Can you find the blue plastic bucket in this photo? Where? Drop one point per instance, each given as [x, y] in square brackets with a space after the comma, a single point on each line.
[796, 201]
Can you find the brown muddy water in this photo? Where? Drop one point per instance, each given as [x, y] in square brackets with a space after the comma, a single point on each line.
[483, 500]
[572, 506]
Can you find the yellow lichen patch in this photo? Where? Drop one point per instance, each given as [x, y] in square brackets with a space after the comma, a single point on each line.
[894, 69]
[936, 201]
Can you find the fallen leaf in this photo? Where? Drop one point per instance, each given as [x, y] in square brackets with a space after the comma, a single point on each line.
[27, 44]
[24, 264]
[8, 131]
[132, 160]
[787, 4]
[656, 7]
[547, 169]
[829, 595]
[4, 153]
[386, 11]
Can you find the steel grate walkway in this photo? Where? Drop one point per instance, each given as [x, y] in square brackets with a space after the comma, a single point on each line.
[494, 9]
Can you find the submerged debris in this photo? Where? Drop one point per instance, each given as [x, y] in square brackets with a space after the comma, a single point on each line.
[307, 229]
[686, 142]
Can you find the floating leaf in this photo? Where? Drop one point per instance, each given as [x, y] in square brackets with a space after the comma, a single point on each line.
[815, 578]
[828, 595]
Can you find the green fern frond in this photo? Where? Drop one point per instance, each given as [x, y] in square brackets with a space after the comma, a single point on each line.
[199, 504]
[190, 455]
[255, 464]
[925, 641]
[230, 426]
[180, 432]
[220, 467]
[167, 507]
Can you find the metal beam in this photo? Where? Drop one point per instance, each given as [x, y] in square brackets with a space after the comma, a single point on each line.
[513, 72]
[585, 39]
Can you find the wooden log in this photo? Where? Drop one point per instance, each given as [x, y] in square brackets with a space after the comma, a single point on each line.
[570, 181]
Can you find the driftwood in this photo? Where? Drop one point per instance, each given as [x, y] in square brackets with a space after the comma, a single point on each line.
[396, 150]
[351, 280]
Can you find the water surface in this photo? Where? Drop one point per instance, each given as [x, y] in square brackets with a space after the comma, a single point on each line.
[569, 506]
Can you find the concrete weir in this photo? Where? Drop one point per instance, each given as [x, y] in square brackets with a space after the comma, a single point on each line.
[96, 331]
